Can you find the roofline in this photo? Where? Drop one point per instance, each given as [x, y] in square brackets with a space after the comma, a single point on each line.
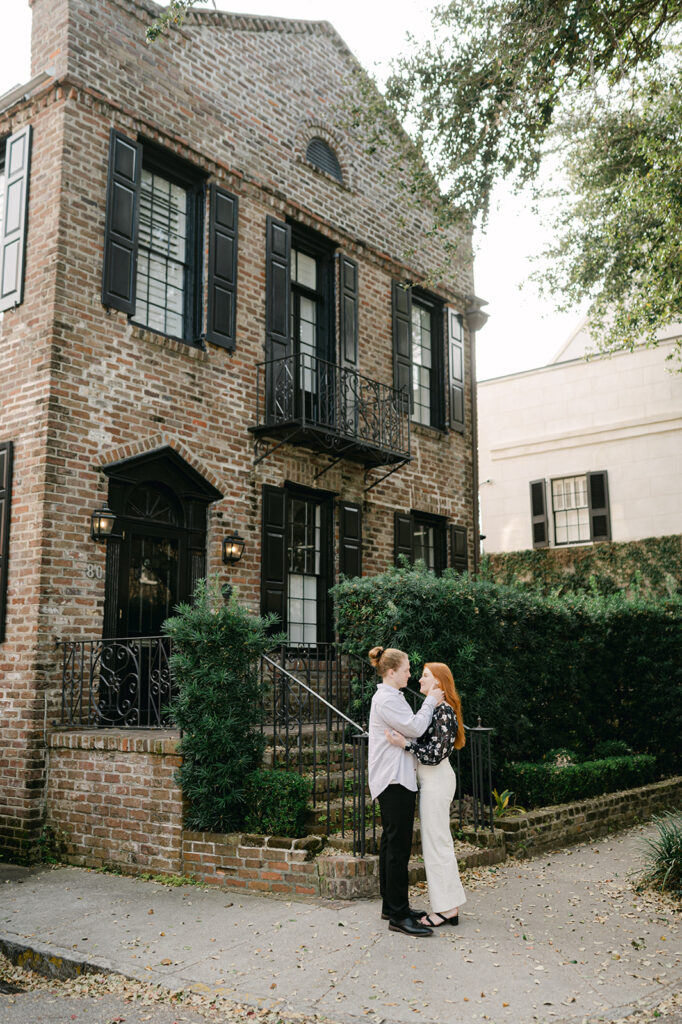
[590, 358]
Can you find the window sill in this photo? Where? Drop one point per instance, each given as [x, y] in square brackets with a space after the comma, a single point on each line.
[422, 430]
[184, 348]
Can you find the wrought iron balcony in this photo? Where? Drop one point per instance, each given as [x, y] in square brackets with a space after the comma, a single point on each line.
[308, 401]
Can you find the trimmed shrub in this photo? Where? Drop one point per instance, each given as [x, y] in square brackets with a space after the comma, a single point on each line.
[215, 660]
[544, 671]
[538, 785]
[664, 867]
[277, 802]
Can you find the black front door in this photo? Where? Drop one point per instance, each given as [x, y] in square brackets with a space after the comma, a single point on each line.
[150, 583]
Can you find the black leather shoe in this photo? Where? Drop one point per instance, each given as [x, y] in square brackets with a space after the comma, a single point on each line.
[412, 912]
[408, 926]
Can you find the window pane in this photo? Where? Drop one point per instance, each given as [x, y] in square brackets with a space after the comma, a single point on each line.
[569, 504]
[306, 270]
[421, 362]
[162, 258]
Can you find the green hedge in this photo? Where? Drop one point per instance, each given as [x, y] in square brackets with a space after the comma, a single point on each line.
[543, 671]
[538, 785]
[277, 803]
[650, 566]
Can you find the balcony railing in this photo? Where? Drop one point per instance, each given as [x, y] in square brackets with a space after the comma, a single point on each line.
[309, 401]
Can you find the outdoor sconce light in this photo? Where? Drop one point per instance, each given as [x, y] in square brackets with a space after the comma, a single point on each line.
[101, 524]
[233, 548]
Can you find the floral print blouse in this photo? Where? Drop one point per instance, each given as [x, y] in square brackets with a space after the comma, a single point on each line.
[438, 741]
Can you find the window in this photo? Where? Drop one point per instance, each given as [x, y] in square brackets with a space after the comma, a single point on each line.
[168, 282]
[154, 243]
[15, 162]
[163, 266]
[569, 505]
[311, 300]
[580, 509]
[322, 156]
[303, 557]
[296, 562]
[420, 535]
[418, 356]
[422, 362]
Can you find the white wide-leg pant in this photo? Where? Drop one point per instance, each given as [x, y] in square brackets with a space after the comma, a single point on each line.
[437, 784]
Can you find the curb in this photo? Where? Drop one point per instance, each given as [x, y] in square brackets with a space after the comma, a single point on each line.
[47, 961]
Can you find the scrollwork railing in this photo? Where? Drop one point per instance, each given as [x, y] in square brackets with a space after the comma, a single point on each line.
[122, 682]
[318, 395]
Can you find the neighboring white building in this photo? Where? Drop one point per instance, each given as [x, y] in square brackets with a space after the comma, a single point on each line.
[576, 452]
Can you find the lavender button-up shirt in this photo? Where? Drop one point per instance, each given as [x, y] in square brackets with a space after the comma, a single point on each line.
[388, 763]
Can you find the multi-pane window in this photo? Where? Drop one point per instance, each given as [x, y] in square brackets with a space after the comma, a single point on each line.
[571, 510]
[303, 570]
[305, 303]
[422, 362]
[424, 544]
[162, 262]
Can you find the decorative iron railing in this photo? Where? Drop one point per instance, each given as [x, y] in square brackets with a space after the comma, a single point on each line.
[315, 704]
[123, 682]
[341, 407]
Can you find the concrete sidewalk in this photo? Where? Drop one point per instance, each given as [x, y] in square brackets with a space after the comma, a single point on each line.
[559, 938]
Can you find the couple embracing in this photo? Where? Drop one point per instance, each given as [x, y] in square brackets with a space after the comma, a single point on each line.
[406, 748]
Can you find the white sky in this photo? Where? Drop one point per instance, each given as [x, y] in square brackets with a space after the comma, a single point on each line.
[523, 331]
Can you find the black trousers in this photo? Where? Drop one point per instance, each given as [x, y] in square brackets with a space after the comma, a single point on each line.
[397, 820]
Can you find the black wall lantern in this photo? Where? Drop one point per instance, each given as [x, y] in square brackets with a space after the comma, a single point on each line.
[102, 524]
[233, 548]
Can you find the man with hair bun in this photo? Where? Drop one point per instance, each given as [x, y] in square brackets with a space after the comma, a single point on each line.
[393, 782]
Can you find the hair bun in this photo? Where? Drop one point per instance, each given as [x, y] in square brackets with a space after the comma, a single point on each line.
[375, 655]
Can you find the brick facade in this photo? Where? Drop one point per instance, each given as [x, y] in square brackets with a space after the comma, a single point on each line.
[85, 388]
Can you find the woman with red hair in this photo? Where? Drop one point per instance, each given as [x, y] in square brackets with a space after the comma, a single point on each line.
[437, 783]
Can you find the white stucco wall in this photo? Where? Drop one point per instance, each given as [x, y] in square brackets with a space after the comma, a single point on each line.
[621, 414]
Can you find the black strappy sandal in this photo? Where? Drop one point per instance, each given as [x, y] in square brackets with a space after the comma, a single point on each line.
[429, 918]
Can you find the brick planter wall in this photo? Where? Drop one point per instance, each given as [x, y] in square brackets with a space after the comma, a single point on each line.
[255, 863]
[550, 827]
[112, 799]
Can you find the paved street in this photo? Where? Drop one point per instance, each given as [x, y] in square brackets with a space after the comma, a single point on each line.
[560, 938]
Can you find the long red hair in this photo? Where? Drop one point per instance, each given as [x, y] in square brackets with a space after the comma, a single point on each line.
[447, 684]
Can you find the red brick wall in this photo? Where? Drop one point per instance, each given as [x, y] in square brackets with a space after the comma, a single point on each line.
[112, 800]
[83, 387]
[256, 863]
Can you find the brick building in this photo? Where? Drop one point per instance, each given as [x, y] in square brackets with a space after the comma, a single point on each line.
[209, 325]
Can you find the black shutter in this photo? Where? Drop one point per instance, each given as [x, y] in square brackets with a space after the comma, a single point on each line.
[6, 451]
[119, 271]
[222, 269]
[273, 554]
[598, 501]
[350, 538]
[401, 299]
[277, 289]
[279, 376]
[538, 511]
[348, 311]
[15, 207]
[456, 361]
[459, 555]
[403, 536]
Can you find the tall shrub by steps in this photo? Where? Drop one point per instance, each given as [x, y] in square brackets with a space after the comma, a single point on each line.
[215, 660]
[544, 671]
